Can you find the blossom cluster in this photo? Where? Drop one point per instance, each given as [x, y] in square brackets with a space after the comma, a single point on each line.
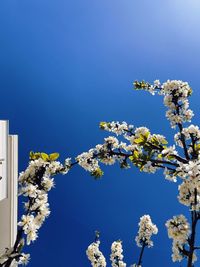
[24, 259]
[189, 190]
[116, 127]
[18, 258]
[191, 135]
[95, 256]
[146, 230]
[116, 256]
[179, 230]
[97, 259]
[34, 184]
[191, 130]
[141, 148]
[149, 152]
[176, 95]
[189, 193]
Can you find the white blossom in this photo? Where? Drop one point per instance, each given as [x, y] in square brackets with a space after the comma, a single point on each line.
[24, 259]
[116, 256]
[176, 95]
[95, 256]
[67, 166]
[34, 183]
[189, 193]
[190, 169]
[112, 141]
[177, 247]
[157, 83]
[116, 127]
[148, 167]
[87, 161]
[146, 230]
[178, 228]
[177, 140]
[169, 175]
[48, 183]
[169, 151]
[191, 130]
[30, 190]
[141, 131]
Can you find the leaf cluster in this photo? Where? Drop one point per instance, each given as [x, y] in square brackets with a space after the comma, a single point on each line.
[44, 156]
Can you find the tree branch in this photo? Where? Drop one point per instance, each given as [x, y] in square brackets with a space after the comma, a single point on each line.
[141, 254]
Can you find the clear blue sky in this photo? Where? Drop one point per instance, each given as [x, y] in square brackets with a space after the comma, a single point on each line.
[67, 65]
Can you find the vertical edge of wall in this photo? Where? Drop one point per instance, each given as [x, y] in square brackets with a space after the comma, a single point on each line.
[4, 128]
[9, 206]
[13, 184]
[4, 199]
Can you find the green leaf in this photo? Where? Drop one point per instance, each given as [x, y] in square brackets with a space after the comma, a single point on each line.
[97, 173]
[31, 155]
[141, 85]
[154, 141]
[34, 156]
[54, 156]
[190, 92]
[146, 135]
[37, 155]
[170, 157]
[164, 142]
[197, 147]
[135, 156]
[131, 158]
[44, 156]
[102, 125]
[141, 140]
[141, 166]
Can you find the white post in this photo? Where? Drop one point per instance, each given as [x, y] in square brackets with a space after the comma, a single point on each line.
[3, 159]
[8, 205]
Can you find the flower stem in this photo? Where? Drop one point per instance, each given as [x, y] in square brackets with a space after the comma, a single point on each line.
[141, 254]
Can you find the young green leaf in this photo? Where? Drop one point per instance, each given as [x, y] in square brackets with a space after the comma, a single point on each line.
[44, 156]
[54, 156]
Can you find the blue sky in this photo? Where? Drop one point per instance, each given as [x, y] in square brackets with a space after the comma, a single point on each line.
[67, 65]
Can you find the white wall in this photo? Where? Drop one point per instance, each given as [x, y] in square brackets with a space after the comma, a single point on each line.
[8, 206]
